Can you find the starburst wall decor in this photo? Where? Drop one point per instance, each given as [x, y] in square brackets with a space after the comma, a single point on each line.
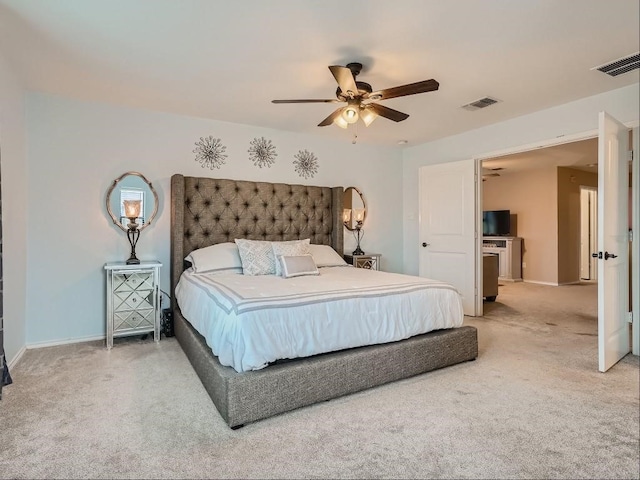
[262, 152]
[210, 152]
[306, 163]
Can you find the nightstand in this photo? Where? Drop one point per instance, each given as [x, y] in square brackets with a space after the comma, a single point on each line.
[133, 299]
[370, 261]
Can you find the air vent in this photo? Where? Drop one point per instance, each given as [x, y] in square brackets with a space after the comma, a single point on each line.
[620, 66]
[478, 104]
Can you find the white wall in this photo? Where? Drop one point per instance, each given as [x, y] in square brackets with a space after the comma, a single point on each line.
[569, 119]
[14, 209]
[77, 149]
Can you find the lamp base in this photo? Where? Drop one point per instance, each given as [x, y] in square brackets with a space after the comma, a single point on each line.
[133, 234]
[357, 251]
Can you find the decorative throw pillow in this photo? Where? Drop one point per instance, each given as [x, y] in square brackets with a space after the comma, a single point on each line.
[289, 248]
[219, 258]
[325, 256]
[256, 257]
[297, 265]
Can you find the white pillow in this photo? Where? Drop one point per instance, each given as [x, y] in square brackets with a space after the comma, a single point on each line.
[325, 256]
[297, 265]
[289, 248]
[218, 258]
[256, 257]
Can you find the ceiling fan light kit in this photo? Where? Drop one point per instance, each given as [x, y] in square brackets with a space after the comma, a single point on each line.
[350, 114]
[359, 97]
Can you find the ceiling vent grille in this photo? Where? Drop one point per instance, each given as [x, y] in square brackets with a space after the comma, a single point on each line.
[482, 103]
[620, 66]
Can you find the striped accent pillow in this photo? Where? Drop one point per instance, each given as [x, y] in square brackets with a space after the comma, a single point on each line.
[297, 265]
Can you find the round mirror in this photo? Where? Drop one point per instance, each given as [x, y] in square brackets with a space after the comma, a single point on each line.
[132, 187]
[354, 208]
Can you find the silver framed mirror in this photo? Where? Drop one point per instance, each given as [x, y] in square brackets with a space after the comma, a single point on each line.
[354, 208]
[132, 186]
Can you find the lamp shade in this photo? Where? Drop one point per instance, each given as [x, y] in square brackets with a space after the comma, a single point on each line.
[350, 114]
[341, 122]
[368, 116]
[346, 215]
[132, 208]
[358, 214]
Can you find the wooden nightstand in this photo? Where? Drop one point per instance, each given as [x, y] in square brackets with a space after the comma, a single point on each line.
[369, 260]
[133, 300]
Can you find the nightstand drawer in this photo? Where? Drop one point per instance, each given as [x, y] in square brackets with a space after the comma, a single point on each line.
[139, 281]
[133, 321]
[370, 261]
[132, 300]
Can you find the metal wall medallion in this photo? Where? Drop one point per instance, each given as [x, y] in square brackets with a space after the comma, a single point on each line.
[262, 152]
[210, 152]
[306, 164]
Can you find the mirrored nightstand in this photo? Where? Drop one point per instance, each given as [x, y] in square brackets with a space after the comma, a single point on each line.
[370, 261]
[133, 300]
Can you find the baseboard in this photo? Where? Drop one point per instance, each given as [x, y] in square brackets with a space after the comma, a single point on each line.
[552, 284]
[14, 361]
[55, 343]
[577, 282]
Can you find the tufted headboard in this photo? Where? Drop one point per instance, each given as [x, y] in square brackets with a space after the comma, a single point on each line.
[205, 211]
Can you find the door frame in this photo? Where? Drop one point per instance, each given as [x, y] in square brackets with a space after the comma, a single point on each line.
[635, 245]
[592, 233]
[576, 137]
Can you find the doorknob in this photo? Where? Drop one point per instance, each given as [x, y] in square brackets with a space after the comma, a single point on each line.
[425, 244]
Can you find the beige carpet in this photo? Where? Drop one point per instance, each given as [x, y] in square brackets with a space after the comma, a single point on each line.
[532, 406]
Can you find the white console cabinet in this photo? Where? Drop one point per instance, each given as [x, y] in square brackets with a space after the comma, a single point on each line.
[509, 251]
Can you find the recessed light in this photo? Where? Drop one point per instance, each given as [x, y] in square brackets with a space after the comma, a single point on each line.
[591, 165]
[403, 142]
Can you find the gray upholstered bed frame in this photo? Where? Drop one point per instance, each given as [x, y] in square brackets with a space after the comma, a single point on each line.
[205, 211]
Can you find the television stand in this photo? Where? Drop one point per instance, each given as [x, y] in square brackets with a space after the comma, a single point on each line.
[509, 251]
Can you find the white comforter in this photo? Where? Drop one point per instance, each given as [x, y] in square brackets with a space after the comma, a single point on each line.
[251, 321]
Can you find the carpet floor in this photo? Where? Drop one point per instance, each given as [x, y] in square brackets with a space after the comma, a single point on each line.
[533, 405]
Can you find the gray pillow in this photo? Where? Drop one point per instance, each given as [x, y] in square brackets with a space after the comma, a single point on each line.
[297, 265]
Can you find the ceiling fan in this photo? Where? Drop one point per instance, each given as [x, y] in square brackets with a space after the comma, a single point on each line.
[359, 97]
[490, 172]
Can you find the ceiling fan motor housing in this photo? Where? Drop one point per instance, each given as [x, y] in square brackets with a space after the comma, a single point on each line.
[363, 88]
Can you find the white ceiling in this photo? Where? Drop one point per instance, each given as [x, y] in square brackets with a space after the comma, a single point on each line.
[227, 60]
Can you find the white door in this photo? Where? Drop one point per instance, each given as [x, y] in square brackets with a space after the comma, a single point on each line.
[448, 227]
[613, 242]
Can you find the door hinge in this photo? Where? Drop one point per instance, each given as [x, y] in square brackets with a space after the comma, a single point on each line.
[630, 317]
[630, 235]
[630, 155]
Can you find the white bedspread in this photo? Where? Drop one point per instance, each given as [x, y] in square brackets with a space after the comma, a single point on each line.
[251, 321]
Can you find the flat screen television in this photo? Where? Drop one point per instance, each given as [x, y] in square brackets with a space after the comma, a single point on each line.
[496, 222]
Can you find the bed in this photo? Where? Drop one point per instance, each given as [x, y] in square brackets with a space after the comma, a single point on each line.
[205, 212]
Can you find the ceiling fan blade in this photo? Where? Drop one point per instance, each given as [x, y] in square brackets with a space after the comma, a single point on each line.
[404, 90]
[307, 100]
[329, 120]
[387, 112]
[345, 79]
